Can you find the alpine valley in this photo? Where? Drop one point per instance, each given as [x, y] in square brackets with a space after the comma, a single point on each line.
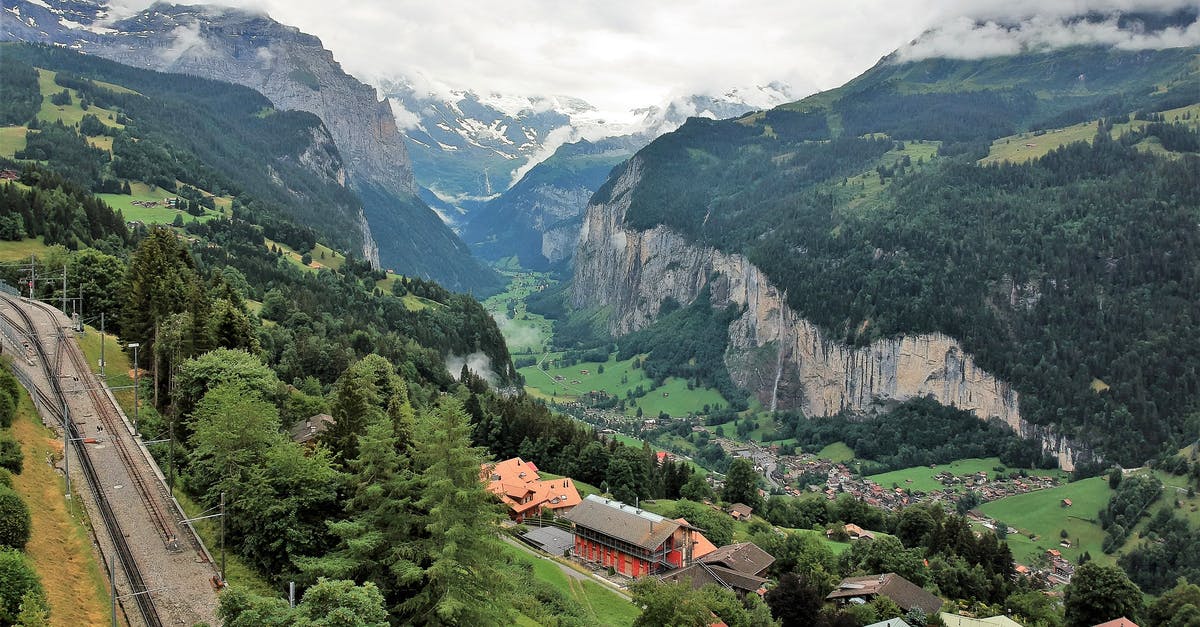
[923, 348]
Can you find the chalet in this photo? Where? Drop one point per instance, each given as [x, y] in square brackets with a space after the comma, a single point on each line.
[740, 511]
[739, 567]
[1119, 622]
[519, 486]
[903, 592]
[9, 175]
[956, 620]
[1066, 502]
[853, 531]
[310, 428]
[631, 541]
[891, 622]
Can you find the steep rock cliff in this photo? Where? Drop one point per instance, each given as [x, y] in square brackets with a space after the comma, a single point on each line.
[784, 360]
[295, 71]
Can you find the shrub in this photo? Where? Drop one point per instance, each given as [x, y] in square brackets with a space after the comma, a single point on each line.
[17, 578]
[14, 520]
[11, 457]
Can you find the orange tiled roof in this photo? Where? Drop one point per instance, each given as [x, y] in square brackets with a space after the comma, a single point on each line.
[522, 489]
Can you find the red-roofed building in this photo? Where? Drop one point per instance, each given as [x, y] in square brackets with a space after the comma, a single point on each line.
[1120, 622]
[633, 541]
[526, 494]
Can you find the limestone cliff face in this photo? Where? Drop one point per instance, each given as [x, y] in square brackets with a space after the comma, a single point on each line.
[291, 68]
[783, 359]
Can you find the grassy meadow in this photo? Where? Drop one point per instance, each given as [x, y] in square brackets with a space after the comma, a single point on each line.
[60, 546]
[601, 605]
[1042, 514]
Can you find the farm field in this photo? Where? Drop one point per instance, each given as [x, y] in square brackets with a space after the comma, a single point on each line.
[921, 478]
[12, 139]
[864, 186]
[525, 332]
[836, 452]
[1028, 146]
[1041, 513]
[20, 251]
[673, 397]
[60, 546]
[603, 607]
[150, 215]
[70, 114]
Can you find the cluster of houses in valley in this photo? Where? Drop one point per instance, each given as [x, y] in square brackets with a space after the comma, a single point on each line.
[166, 202]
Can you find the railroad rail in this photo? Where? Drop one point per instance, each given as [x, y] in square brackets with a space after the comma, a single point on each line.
[53, 404]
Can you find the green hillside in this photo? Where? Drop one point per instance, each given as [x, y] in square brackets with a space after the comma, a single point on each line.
[868, 207]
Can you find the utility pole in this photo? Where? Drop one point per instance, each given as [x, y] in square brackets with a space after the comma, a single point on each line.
[112, 582]
[136, 391]
[222, 538]
[104, 366]
[64, 294]
[66, 428]
[32, 275]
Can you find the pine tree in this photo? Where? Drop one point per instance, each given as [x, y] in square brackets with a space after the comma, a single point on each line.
[462, 582]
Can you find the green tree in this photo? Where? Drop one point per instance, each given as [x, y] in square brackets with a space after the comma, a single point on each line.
[797, 600]
[34, 612]
[17, 578]
[717, 526]
[1098, 594]
[741, 484]
[15, 523]
[672, 604]
[461, 581]
[1178, 607]
[696, 489]
[329, 603]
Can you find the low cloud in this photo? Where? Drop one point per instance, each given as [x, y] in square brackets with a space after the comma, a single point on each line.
[967, 38]
[405, 119]
[516, 334]
[479, 363]
[189, 41]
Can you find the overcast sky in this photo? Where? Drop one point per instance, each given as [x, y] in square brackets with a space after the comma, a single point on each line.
[621, 54]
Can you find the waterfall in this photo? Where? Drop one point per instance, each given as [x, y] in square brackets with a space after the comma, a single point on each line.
[779, 360]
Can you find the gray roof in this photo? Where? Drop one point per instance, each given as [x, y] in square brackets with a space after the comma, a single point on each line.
[623, 522]
[744, 557]
[905, 593]
[701, 574]
[552, 540]
[309, 428]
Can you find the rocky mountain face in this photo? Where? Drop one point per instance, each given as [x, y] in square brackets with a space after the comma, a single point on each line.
[786, 361]
[538, 219]
[469, 148]
[295, 71]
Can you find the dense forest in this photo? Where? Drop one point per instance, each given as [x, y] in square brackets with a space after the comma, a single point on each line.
[1055, 274]
[212, 135]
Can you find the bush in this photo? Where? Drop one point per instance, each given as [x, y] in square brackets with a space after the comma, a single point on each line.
[15, 523]
[11, 457]
[5, 478]
[17, 578]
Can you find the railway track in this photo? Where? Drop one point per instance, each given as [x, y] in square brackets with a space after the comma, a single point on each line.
[54, 403]
[112, 422]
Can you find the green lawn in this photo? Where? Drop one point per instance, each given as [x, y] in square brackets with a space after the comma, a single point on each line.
[1041, 513]
[70, 114]
[836, 452]
[20, 251]
[673, 397]
[1027, 146]
[150, 215]
[602, 606]
[921, 478]
[12, 139]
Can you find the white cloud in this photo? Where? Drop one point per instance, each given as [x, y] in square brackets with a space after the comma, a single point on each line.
[405, 119]
[622, 54]
[966, 38]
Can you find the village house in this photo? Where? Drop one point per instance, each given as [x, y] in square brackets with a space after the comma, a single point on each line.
[740, 511]
[739, 567]
[631, 541]
[307, 430]
[903, 592]
[519, 486]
